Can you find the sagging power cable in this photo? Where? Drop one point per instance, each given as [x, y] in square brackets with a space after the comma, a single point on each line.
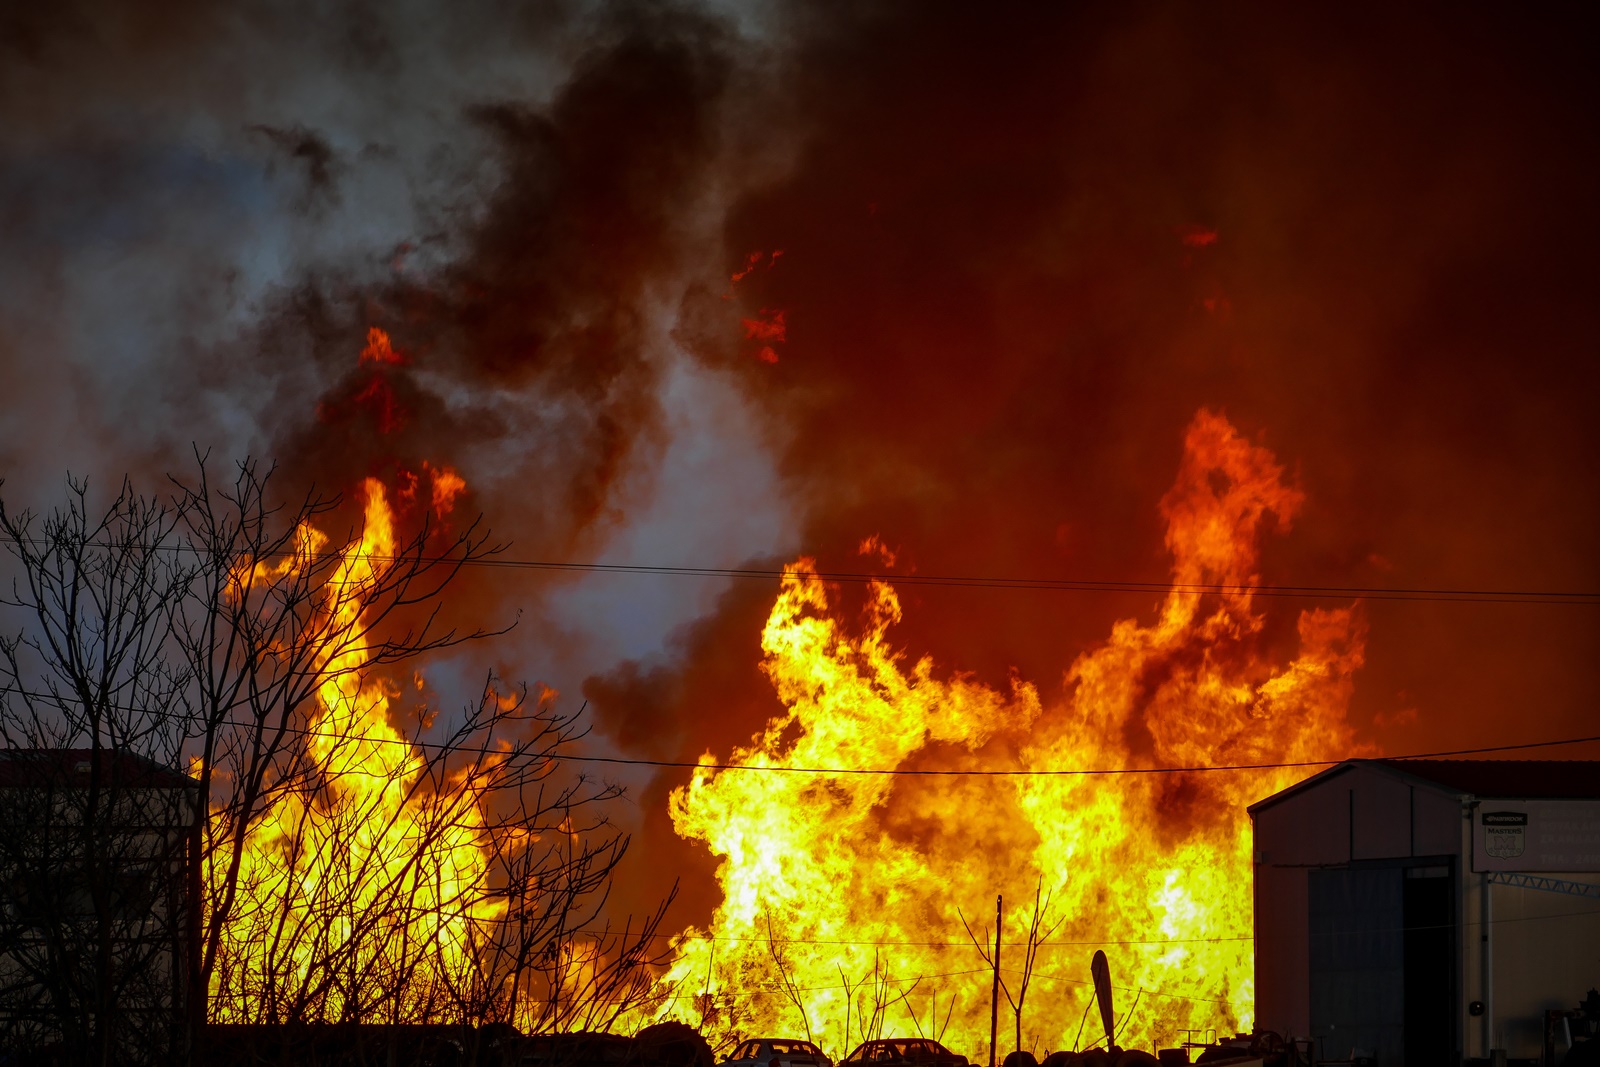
[906, 772]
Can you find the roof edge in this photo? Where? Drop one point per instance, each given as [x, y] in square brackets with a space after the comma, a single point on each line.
[1408, 771]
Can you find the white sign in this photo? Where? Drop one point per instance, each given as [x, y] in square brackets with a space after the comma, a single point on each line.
[1505, 833]
[1536, 835]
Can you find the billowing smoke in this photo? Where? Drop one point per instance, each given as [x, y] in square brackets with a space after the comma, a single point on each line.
[214, 207]
[1019, 250]
[686, 285]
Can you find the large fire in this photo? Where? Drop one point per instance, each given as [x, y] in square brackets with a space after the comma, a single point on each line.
[847, 896]
[855, 890]
[374, 858]
[366, 866]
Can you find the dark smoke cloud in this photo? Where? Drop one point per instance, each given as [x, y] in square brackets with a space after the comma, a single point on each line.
[172, 168]
[1022, 247]
[212, 206]
[231, 196]
[541, 330]
[309, 152]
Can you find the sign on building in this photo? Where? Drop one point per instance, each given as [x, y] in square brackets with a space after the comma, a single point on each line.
[1536, 835]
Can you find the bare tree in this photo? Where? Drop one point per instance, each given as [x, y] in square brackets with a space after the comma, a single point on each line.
[936, 1027]
[1040, 929]
[791, 990]
[355, 864]
[872, 996]
[269, 626]
[94, 844]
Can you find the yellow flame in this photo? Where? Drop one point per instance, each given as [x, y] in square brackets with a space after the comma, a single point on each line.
[308, 542]
[844, 894]
[362, 861]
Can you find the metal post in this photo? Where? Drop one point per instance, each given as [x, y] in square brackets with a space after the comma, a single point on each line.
[994, 994]
[1488, 967]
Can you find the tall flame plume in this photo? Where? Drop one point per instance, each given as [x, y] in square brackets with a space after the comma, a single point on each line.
[367, 862]
[848, 898]
[362, 861]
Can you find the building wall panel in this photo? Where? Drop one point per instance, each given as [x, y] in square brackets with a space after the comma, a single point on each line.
[1283, 991]
[1546, 950]
[1310, 828]
[1381, 808]
[1436, 823]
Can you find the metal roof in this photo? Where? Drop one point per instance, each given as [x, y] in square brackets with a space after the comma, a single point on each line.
[1522, 779]
[1532, 779]
[25, 767]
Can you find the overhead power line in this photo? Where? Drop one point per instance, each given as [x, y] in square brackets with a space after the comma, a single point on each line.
[1061, 772]
[1107, 942]
[732, 939]
[906, 772]
[744, 994]
[1444, 594]
[1489, 596]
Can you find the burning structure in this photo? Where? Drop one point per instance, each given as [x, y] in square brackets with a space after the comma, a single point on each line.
[1428, 910]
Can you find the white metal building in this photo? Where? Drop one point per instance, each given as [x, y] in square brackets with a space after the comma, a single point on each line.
[1428, 911]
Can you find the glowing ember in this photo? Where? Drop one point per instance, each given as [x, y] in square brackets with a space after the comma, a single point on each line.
[754, 260]
[844, 894]
[447, 486]
[378, 349]
[1197, 236]
[767, 329]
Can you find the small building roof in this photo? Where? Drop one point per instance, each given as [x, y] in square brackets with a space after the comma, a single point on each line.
[35, 767]
[1522, 779]
[1530, 779]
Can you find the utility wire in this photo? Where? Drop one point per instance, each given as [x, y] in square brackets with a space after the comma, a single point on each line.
[1497, 596]
[887, 981]
[938, 944]
[1124, 988]
[899, 772]
[1443, 594]
[564, 757]
[822, 988]
[1060, 772]
[1132, 944]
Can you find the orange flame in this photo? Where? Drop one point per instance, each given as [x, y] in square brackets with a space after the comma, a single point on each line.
[845, 895]
[308, 542]
[753, 260]
[317, 870]
[378, 349]
[769, 329]
[447, 486]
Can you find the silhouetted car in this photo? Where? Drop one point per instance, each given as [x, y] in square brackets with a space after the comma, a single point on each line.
[577, 1049]
[777, 1052]
[900, 1050]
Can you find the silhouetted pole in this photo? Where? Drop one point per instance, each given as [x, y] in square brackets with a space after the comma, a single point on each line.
[1100, 970]
[994, 994]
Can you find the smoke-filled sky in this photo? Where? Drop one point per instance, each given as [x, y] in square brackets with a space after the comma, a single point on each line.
[991, 261]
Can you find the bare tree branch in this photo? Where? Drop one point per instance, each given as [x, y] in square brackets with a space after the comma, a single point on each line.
[356, 865]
